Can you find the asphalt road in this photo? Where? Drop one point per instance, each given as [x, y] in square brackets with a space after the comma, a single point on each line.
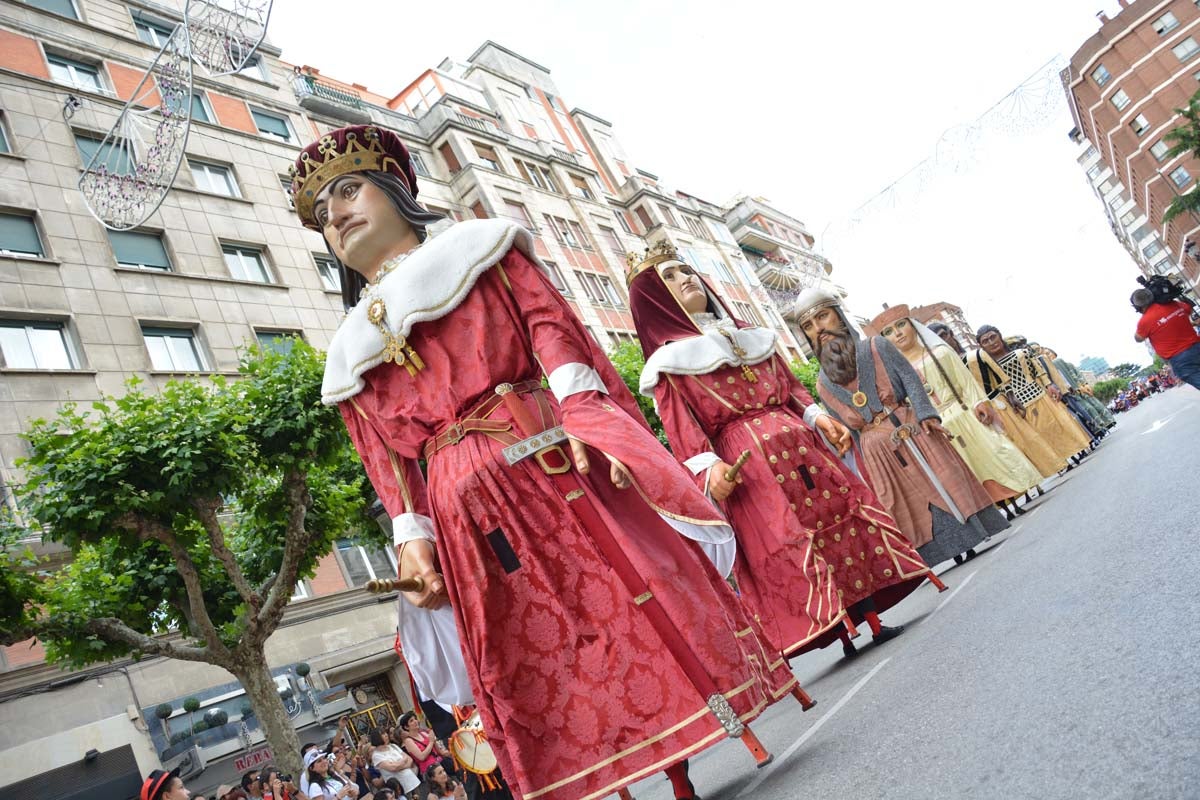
[1063, 661]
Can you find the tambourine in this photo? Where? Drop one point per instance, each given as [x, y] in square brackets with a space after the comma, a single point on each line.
[470, 748]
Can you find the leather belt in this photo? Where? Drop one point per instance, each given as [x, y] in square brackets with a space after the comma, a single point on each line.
[476, 421]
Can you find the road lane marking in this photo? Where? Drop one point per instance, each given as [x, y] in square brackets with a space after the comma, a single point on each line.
[958, 589]
[766, 772]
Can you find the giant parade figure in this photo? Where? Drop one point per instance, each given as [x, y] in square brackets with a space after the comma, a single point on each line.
[1035, 392]
[573, 605]
[812, 538]
[904, 453]
[965, 411]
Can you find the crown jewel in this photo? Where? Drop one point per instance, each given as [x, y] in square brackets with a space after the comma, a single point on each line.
[655, 254]
[357, 153]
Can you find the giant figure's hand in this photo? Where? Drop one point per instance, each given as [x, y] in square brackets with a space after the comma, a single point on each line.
[1054, 392]
[417, 561]
[718, 487]
[932, 426]
[985, 413]
[616, 472]
[837, 433]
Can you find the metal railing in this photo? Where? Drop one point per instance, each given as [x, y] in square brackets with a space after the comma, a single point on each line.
[309, 86]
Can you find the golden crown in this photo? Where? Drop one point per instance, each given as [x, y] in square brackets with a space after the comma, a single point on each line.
[354, 154]
[654, 255]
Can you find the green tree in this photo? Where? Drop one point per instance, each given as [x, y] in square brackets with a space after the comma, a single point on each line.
[627, 358]
[807, 374]
[1184, 139]
[1105, 391]
[191, 514]
[1126, 370]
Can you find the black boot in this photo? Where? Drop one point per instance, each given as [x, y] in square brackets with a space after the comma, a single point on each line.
[887, 633]
[849, 650]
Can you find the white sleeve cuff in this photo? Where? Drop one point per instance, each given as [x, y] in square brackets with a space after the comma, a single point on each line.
[699, 463]
[574, 378]
[407, 527]
[811, 413]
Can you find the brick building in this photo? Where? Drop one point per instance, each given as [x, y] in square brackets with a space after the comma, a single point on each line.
[224, 262]
[1123, 86]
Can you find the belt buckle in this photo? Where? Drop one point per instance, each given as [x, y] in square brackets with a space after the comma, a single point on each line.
[552, 469]
[455, 433]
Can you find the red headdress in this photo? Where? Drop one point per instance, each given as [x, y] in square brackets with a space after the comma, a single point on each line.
[657, 315]
[358, 148]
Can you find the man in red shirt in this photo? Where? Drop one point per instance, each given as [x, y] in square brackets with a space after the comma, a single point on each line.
[1169, 328]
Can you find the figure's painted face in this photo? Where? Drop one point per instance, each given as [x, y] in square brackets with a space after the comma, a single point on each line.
[947, 337]
[823, 326]
[685, 285]
[902, 334]
[993, 344]
[359, 221]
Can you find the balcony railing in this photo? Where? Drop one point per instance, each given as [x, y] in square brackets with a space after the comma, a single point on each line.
[316, 95]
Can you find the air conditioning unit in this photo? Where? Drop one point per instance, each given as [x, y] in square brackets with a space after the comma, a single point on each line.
[189, 762]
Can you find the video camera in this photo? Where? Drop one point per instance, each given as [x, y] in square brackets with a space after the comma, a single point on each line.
[1164, 289]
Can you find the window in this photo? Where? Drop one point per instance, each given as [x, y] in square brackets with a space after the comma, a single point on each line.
[246, 263]
[272, 125]
[1116, 201]
[418, 163]
[517, 213]
[1101, 75]
[328, 272]
[1186, 49]
[19, 236]
[609, 237]
[200, 108]
[35, 345]
[722, 232]
[556, 277]
[5, 147]
[610, 291]
[668, 216]
[581, 188]
[1128, 217]
[624, 223]
[478, 210]
[1181, 177]
[214, 178]
[173, 350]
[1094, 171]
[695, 227]
[151, 31]
[256, 68]
[1165, 23]
[643, 217]
[592, 287]
[111, 155]
[1152, 249]
[551, 185]
[1163, 267]
[75, 73]
[488, 156]
[1140, 124]
[139, 249]
[278, 341]
[1120, 99]
[285, 183]
[364, 564]
[64, 8]
[577, 233]
[451, 160]
[1159, 150]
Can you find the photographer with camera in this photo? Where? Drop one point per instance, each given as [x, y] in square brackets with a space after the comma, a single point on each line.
[1168, 322]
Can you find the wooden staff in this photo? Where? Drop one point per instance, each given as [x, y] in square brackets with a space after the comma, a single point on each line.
[395, 585]
[732, 473]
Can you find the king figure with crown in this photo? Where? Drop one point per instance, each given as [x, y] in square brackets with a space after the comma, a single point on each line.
[814, 545]
[571, 573]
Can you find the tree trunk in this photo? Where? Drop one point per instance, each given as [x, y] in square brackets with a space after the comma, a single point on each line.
[260, 688]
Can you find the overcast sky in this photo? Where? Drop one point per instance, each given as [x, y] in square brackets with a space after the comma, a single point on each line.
[817, 107]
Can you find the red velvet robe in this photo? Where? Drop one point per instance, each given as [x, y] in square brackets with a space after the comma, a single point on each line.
[575, 689]
[803, 554]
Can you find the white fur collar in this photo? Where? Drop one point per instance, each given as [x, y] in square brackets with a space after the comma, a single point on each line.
[430, 283]
[702, 354]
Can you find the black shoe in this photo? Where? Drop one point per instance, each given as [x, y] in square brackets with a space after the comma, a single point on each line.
[849, 650]
[886, 633]
[971, 554]
[958, 559]
[1019, 511]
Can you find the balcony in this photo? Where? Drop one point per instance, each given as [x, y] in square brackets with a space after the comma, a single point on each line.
[314, 94]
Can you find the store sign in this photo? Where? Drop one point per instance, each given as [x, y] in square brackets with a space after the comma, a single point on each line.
[252, 759]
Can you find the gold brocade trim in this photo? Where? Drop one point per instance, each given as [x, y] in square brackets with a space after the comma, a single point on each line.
[652, 740]
[575, 494]
[643, 598]
[715, 396]
[377, 358]
[708, 523]
[401, 479]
